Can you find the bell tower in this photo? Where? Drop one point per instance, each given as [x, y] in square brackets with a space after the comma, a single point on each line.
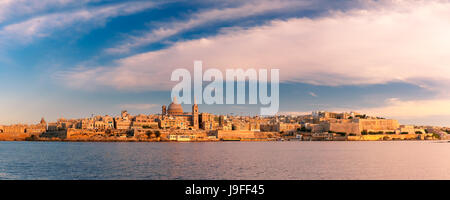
[195, 115]
[164, 111]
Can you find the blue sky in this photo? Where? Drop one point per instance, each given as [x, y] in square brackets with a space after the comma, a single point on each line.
[72, 58]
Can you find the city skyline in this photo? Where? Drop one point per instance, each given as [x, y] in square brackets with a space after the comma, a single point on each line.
[73, 59]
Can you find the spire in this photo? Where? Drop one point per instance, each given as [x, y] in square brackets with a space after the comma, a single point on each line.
[175, 100]
[43, 121]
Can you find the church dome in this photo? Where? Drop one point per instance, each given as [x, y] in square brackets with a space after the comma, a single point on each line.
[175, 108]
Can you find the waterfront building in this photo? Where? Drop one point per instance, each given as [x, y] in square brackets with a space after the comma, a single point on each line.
[32, 129]
[103, 122]
[122, 123]
[145, 122]
[181, 138]
[86, 123]
[281, 127]
[357, 126]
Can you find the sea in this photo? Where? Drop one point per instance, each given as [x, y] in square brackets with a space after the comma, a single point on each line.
[281, 160]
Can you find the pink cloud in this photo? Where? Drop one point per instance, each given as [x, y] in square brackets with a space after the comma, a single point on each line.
[395, 41]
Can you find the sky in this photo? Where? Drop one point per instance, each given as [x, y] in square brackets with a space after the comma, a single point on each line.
[78, 58]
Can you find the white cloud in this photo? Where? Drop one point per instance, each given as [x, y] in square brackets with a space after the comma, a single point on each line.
[43, 26]
[399, 41]
[249, 8]
[11, 9]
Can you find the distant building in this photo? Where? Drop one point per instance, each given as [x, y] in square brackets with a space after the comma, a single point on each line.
[358, 126]
[174, 117]
[25, 128]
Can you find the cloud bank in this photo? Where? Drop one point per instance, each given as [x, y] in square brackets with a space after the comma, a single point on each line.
[247, 9]
[400, 41]
[44, 25]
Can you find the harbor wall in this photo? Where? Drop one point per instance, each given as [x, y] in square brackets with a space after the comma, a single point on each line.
[389, 137]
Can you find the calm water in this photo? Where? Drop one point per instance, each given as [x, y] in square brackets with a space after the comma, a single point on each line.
[226, 160]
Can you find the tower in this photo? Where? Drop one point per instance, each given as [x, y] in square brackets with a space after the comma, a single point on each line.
[164, 110]
[221, 120]
[195, 115]
[43, 122]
